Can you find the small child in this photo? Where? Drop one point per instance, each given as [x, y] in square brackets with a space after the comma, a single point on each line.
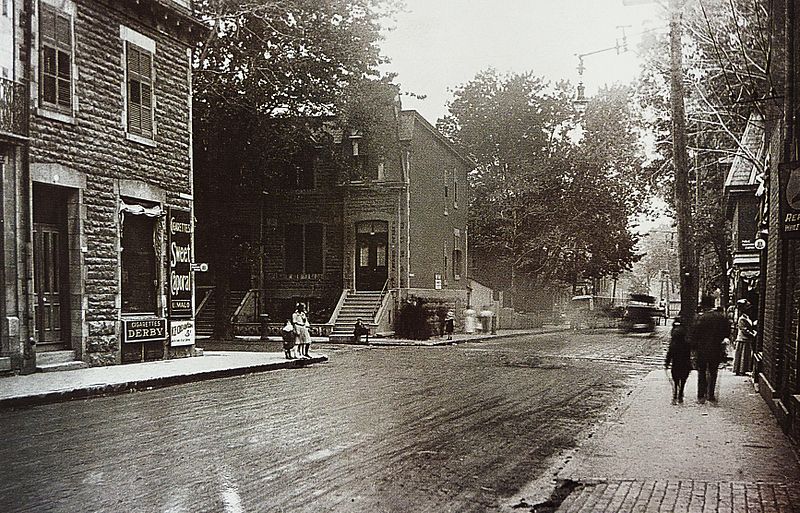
[449, 324]
[289, 336]
[679, 355]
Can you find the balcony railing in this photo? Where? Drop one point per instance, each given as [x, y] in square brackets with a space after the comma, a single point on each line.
[13, 108]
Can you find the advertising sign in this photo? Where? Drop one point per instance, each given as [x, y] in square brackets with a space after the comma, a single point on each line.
[143, 330]
[179, 232]
[437, 281]
[181, 333]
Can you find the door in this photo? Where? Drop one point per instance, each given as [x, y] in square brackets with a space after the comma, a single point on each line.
[372, 247]
[49, 278]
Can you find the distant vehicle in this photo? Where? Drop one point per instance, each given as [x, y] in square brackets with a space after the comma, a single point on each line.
[640, 314]
[589, 311]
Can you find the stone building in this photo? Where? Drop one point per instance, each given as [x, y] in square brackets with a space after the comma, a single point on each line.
[359, 235]
[97, 190]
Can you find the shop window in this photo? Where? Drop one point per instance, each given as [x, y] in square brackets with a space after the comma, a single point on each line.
[457, 264]
[303, 243]
[55, 59]
[139, 264]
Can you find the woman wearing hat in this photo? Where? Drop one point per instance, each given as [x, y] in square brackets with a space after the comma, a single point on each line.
[745, 339]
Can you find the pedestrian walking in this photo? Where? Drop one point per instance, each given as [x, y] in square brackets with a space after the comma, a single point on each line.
[745, 338]
[289, 336]
[679, 358]
[708, 336]
[301, 328]
[449, 324]
[359, 330]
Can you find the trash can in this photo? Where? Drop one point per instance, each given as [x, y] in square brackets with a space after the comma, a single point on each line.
[486, 320]
[470, 321]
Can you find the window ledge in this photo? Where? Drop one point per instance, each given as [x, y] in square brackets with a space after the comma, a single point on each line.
[56, 115]
[139, 139]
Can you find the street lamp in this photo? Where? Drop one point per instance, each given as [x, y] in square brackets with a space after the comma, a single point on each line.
[580, 100]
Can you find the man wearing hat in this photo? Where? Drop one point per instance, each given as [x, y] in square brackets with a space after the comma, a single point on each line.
[745, 339]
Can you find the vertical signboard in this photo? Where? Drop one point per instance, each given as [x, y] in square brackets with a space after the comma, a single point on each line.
[180, 263]
[180, 301]
[790, 200]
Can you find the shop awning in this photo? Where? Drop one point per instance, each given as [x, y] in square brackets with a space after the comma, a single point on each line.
[140, 210]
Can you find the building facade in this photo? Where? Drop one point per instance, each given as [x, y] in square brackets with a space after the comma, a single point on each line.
[385, 221]
[98, 201]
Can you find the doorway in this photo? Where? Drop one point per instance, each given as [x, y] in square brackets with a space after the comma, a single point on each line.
[372, 247]
[50, 268]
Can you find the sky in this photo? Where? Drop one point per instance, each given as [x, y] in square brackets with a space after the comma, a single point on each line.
[438, 45]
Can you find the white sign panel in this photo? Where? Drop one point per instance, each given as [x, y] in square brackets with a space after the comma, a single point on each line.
[181, 333]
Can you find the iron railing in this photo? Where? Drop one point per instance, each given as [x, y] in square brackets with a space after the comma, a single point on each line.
[13, 108]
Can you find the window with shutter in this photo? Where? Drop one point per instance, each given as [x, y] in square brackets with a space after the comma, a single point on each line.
[140, 91]
[55, 58]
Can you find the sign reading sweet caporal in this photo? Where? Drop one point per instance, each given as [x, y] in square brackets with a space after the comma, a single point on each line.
[143, 330]
[179, 231]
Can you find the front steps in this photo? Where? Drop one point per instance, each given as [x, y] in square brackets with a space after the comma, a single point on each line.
[357, 305]
[54, 361]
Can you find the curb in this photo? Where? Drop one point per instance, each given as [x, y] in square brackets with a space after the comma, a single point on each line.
[481, 338]
[108, 389]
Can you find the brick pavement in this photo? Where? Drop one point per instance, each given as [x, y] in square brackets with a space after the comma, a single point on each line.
[672, 495]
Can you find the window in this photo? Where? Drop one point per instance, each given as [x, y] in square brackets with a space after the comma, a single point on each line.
[139, 278]
[455, 188]
[140, 90]
[299, 172]
[303, 243]
[446, 192]
[55, 61]
[457, 264]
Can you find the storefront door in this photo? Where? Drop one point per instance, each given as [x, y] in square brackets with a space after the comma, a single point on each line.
[372, 244]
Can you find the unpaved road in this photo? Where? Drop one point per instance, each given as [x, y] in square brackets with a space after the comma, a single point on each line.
[398, 429]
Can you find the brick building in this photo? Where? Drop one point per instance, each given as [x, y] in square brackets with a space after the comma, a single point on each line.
[777, 357]
[357, 236]
[97, 190]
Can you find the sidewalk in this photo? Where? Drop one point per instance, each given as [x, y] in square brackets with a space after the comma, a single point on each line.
[49, 387]
[651, 456]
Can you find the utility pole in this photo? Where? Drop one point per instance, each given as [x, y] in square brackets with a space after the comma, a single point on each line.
[683, 204]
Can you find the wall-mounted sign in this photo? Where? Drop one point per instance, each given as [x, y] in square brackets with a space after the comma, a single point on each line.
[437, 281]
[143, 330]
[181, 333]
[790, 199]
[179, 232]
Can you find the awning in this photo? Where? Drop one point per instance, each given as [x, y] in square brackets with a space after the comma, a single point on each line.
[140, 210]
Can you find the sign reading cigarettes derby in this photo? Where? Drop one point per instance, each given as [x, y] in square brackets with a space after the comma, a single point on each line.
[143, 330]
[179, 231]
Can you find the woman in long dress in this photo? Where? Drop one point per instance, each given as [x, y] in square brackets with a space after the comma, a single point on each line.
[745, 337]
[301, 326]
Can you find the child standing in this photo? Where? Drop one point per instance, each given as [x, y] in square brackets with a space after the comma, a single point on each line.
[289, 336]
[679, 356]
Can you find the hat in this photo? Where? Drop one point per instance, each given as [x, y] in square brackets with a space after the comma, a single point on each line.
[450, 315]
[743, 303]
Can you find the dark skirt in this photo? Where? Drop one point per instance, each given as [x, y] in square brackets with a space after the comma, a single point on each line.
[288, 339]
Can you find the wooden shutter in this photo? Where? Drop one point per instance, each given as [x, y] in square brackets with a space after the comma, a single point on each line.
[55, 34]
[140, 91]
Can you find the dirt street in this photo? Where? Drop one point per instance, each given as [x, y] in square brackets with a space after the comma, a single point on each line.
[396, 429]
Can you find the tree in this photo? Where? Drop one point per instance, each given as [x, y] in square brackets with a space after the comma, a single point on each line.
[265, 69]
[728, 69]
[540, 197]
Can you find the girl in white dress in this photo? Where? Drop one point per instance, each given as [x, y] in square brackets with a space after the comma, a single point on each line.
[301, 326]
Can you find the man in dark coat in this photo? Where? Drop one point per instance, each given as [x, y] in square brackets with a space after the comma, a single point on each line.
[710, 329]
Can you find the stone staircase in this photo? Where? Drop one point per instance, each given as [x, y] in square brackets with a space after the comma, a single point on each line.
[204, 320]
[357, 305]
[53, 361]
